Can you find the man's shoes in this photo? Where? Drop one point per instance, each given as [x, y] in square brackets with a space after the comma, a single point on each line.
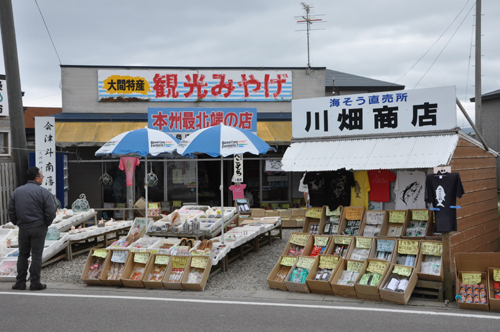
[38, 287]
[19, 286]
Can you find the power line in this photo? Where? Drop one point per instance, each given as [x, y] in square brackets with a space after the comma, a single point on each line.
[46, 27]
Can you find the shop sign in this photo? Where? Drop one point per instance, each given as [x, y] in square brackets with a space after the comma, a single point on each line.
[180, 122]
[4, 100]
[375, 113]
[238, 168]
[376, 267]
[166, 85]
[432, 248]
[288, 261]
[162, 260]
[408, 247]
[421, 215]
[328, 262]
[354, 266]
[402, 270]
[45, 147]
[471, 278]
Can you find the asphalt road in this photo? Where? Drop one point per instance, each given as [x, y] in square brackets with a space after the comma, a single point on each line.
[129, 312]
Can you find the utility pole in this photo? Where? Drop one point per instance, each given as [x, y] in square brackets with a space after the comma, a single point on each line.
[478, 98]
[308, 19]
[16, 112]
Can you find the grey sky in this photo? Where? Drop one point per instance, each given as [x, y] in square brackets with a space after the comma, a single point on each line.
[379, 39]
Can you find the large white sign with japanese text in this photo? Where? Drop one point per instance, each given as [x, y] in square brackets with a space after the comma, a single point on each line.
[194, 85]
[45, 147]
[375, 113]
[4, 100]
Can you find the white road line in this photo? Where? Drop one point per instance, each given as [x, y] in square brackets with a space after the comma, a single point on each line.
[288, 305]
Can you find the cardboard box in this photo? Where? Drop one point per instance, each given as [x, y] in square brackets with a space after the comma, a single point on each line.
[328, 244]
[151, 266]
[300, 221]
[141, 206]
[86, 269]
[207, 263]
[322, 287]
[397, 251]
[285, 214]
[107, 266]
[360, 241]
[307, 247]
[343, 290]
[385, 232]
[278, 284]
[288, 223]
[427, 222]
[396, 297]
[308, 221]
[352, 213]
[339, 241]
[367, 292]
[295, 286]
[473, 306]
[272, 213]
[257, 213]
[422, 259]
[132, 264]
[476, 261]
[176, 262]
[298, 212]
[374, 252]
[384, 224]
[494, 303]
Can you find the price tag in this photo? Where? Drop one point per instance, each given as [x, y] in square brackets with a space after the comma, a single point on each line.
[397, 217]
[375, 218]
[179, 262]
[102, 253]
[364, 243]
[143, 250]
[141, 258]
[471, 278]
[496, 275]
[288, 261]
[420, 215]
[305, 262]
[342, 239]
[329, 262]
[377, 267]
[321, 241]
[354, 266]
[119, 256]
[402, 270]
[314, 213]
[432, 248]
[299, 239]
[199, 262]
[385, 245]
[353, 213]
[162, 260]
[408, 247]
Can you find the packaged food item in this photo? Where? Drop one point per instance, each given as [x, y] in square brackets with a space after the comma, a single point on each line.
[115, 271]
[176, 275]
[157, 273]
[282, 273]
[137, 273]
[195, 276]
[95, 269]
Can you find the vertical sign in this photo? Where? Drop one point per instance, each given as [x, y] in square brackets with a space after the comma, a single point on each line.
[238, 168]
[45, 147]
[4, 102]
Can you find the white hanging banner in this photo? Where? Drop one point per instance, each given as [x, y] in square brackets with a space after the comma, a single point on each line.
[4, 102]
[238, 168]
[45, 147]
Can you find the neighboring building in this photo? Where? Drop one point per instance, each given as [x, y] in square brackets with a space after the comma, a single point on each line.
[29, 121]
[490, 117]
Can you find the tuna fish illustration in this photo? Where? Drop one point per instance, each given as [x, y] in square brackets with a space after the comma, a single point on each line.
[409, 191]
[440, 194]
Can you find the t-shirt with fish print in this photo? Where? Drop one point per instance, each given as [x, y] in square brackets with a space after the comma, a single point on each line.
[410, 190]
[359, 193]
[442, 191]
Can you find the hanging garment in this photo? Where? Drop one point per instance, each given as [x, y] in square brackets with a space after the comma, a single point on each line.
[128, 164]
[317, 187]
[380, 184]
[410, 190]
[442, 191]
[339, 188]
[238, 191]
[361, 189]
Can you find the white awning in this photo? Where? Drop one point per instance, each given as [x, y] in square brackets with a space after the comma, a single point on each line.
[373, 153]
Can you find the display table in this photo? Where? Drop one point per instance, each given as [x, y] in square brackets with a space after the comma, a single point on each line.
[75, 220]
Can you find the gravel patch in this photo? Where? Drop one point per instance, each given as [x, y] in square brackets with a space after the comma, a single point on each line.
[249, 274]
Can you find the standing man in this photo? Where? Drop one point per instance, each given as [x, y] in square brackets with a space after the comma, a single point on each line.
[32, 208]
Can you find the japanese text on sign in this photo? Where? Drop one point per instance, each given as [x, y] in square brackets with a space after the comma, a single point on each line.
[407, 247]
[141, 258]
[45, 155]
[299, 239]
[403, 270]
[397, 217]
[238, 168]
[342, 239]
[193, 86]
[354, 266]
[328, 262]
[420, 215]
[305, 262]
[375, 113]
[162, 260]
[119, 256]
[314, 213]
[376, 267]
[288, 261]
[375, 218]
[4, 100]
[471, 278]
[364, 243]
[199, 262]
[321, 241]
[353, 213]
[179, 262]
[432, 248]
[385, 245]
[102, 253]
[496, 275]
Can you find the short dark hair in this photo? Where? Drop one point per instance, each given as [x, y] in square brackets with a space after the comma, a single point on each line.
[32, 173]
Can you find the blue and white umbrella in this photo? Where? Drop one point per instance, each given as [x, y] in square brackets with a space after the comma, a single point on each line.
[139, 143]
[222, 141]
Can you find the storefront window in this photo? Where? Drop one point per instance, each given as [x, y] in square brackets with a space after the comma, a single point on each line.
[4, 143]
[275, 188]
[181, 182]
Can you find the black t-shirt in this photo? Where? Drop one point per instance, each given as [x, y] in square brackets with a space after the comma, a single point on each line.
[317, 187]
[442, 191]
[339, 189]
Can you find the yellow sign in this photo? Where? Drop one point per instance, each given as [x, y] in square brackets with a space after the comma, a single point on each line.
[162, 260]
[141, 258]
[496, 275]
[364, 243]
[100, 253]
[432, 248]
[288, 261]
[342, 239]
[321, 241]
[130, 84]
[199, 262]
[353, 213]
[314, 213]
[299, 239]
[402, 270]
[420, 215]
[179, 262]
[471, 278]
[329, 262]
[153, 251]
[354, 266]
[407, 247]
[305, 262]
[377, 267]
[397, 217]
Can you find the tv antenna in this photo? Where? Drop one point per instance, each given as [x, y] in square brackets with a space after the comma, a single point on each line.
[308, 19]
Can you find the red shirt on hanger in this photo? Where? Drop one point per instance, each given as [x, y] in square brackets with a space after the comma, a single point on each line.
[380, 183]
